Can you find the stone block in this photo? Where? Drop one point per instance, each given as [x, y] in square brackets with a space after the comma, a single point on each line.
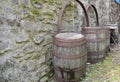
[3, 46]
[16, 2]
[41, 60]
[44, 79]
[28, 48]
[22, 37]
[37, 4]
[27, 3]
[38, 38]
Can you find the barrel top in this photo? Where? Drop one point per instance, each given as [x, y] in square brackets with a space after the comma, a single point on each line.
[69, 36]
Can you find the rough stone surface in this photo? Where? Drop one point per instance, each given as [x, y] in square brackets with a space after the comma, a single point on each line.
[38, 38]
[114, 9]
[3, 46]
[103, 8]
[26, 34]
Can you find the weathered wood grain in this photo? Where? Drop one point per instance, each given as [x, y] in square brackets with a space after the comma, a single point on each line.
[96, 43]
[70, 64]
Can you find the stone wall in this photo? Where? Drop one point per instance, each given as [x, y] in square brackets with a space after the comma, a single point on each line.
[103, 8]
[108, 11]
[26, 33]
[114, 13]
[27, 28]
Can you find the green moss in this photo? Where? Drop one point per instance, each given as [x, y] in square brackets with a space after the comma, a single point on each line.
[35, 12]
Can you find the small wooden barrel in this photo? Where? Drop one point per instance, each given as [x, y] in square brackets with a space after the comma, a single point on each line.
[107, 29]
[96, 40]
[69, 57]
[96, 43]
[69, 52]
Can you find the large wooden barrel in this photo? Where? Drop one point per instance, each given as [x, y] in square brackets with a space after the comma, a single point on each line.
[69, 57]
[69, 53]
[96, 40]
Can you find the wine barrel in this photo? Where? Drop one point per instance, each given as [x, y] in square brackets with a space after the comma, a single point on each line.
[96, 40]
[107, 29]
[69, 53]
[70, 57]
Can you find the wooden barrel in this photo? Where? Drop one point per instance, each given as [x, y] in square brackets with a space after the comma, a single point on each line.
[69, 53]
[107, 30]
[70, 57]
[96, 44]
[96, 40]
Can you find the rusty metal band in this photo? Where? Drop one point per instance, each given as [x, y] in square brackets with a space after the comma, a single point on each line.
[97, 19]
[65, 80]
[68, 56]
[59, 25]
[96, 13]
[68, 44]
[96, 53]
[95, 60]
[68, 40]
[97, 28]
[96, 40]
[85, 12]
[68, 70]
[94, 32]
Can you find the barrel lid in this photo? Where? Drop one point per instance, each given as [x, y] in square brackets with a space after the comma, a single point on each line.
[69, 36]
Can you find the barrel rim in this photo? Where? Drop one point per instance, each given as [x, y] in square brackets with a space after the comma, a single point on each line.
[95, 32]
[93, 28]
[69, 40]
